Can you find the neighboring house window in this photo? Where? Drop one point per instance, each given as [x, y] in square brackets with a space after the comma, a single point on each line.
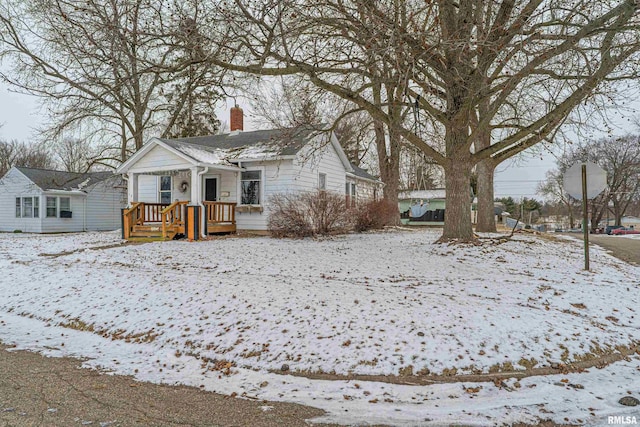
[250, 187]
[65, 207]
[52, 207]
[322, 181]
[165, 189]
[27, 207]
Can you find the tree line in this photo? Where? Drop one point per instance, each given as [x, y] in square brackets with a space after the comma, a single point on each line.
[466, 84]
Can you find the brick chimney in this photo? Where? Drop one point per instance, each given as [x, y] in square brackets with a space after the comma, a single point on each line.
[237, 119]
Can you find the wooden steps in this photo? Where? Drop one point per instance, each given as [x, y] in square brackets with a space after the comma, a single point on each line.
[152, 232]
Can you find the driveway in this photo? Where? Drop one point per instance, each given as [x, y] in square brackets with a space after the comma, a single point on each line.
[627, 249]
[41, 391]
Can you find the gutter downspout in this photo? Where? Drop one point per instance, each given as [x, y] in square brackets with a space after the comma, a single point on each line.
[199, 188]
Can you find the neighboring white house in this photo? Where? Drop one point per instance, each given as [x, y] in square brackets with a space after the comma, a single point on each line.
[48, 201]
[239, 172]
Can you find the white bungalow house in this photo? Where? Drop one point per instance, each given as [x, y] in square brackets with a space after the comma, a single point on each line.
[49, 201]
[231, 177]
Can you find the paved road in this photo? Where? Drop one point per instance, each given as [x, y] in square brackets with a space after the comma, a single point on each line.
[52, 392]
[625, 248]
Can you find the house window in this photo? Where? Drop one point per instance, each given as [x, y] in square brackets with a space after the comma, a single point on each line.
[27, 207]
[350, 193]
[165, 189]
[322, 181]
[52, 207]
[65, 207]
[250, 187]
[347, 194]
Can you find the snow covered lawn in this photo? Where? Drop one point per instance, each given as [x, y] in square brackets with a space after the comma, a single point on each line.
[384, 304]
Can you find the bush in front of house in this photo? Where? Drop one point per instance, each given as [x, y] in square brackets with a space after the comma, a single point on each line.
[375, 215]
[309, 214]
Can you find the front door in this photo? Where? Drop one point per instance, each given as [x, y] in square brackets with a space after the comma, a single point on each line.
[211, 189]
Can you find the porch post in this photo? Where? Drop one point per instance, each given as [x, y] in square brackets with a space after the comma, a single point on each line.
[196, 193]
[195, 187]
[132, 187]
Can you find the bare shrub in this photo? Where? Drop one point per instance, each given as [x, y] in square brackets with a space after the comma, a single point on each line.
[308, 214]
[374, 215]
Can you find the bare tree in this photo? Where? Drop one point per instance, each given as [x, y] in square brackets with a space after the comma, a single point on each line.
[552, 188]
[14, 153]
[466, 64]
[620, 158]
[110, 70]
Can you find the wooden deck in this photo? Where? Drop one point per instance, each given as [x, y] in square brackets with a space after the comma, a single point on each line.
[163, 221]
[221, 217]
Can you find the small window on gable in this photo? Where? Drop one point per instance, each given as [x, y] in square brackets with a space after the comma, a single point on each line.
[322, 181]
[250, 187]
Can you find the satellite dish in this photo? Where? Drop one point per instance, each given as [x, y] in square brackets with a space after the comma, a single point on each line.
[596, 180]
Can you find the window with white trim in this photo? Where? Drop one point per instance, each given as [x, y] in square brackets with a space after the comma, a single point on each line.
[250, 182]
[322, 181]
[27, 207]
[52, 207]
[165, 189]
[65, 207]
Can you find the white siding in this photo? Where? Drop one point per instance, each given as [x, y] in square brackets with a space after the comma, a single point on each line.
[15, 184]
[63, 225]
[276, 178]
[300, 174]
[159, 158]
[176, 183]
[312, 161]
[365, 189]
[104, 201]
[147, 189]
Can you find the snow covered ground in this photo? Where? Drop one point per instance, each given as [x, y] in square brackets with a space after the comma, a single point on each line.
[224, 314]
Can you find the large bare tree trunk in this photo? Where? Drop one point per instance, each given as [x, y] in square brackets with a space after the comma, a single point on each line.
[389, 163]
[486, 215]
[457, 220]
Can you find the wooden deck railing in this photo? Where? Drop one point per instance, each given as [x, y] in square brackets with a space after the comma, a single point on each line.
[172, 218]
[220, 216]
[132, 217]
[220, 212]
[153, 211]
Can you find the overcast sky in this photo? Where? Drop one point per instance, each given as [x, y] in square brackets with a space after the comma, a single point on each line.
[20, 116]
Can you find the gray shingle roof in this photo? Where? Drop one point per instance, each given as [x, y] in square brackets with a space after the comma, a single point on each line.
[362, 173]
[58, 180]
[254, 144]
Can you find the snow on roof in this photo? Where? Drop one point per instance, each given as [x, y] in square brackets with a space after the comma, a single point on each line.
[438, 193]
[260, 144]
[48, 179]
